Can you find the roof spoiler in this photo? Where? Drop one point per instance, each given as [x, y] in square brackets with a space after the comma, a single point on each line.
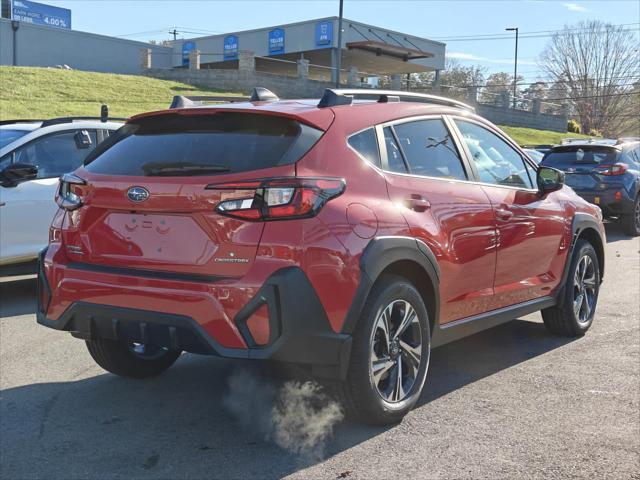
[334, 97]
[259, 94]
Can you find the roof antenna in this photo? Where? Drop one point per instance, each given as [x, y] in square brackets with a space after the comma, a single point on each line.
[104, 113]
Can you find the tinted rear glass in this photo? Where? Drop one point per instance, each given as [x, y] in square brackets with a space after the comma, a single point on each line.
[197, 144]
[579, 155]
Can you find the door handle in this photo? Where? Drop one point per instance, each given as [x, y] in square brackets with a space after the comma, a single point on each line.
[417, 203]
[503, 214]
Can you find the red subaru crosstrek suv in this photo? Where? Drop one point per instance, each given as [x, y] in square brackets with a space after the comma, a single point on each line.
[349, 236]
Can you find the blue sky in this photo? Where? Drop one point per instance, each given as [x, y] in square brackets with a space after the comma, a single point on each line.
[440, 20]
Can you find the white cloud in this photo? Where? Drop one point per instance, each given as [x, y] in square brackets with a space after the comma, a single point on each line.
[470, 57]
[575, 7]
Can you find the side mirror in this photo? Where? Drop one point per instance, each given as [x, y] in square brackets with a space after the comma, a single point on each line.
[549, 180]
[15, 173]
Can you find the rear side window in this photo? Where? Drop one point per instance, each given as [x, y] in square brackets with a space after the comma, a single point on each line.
[429, 149]
[394, 155]
[579, 154]
[174, 145]
[366, 144]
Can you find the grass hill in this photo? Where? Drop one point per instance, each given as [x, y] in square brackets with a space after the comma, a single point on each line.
[31, 92]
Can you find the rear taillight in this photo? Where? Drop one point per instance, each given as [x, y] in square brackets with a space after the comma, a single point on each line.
[276, 198]
[614, 169]
[69, 192]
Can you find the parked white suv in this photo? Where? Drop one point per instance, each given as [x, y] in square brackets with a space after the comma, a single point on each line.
[33, 155]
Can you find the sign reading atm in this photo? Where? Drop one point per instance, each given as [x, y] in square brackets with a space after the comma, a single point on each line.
[41, 14]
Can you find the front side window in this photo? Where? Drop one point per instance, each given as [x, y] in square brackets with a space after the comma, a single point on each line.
[57, 153]
[366, 144]
[496, 161]
[429, 149]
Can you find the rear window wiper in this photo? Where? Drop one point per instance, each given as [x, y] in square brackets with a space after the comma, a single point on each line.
[183, 169]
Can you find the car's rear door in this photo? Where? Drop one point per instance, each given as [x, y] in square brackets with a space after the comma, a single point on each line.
[532, 229]
[428, 180]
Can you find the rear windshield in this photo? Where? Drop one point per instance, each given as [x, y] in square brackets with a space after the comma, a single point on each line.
[175, 145]
[579, 155]
[7, 136]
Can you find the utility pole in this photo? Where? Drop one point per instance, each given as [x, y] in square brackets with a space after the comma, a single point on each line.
[339, 56]
[174, 32]
[515, 68]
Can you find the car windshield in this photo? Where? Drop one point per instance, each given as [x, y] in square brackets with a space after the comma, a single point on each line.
[579, 155]
[7, 136]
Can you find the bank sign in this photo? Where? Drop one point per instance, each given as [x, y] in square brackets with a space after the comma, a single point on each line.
[187, 48]
[324, 34]
[41, 14]
[276, 41]
[230, 47]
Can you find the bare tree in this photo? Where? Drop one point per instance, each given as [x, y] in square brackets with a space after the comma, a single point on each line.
[455, 79]
[499, 84]
[597, 63]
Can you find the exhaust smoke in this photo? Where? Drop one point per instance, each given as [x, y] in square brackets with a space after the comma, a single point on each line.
[298, 416]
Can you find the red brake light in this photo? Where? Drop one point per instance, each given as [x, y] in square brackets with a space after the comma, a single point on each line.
[277, 198]
[613, 169]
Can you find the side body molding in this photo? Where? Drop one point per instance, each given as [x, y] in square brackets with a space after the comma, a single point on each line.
[382, 252]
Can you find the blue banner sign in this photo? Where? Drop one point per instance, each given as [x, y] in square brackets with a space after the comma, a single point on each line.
[187, 47]
[41, 14]
[230, 47]
[276, 41]
[324, 34]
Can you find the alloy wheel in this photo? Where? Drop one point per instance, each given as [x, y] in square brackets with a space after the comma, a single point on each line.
[584, 289]
[396, 351]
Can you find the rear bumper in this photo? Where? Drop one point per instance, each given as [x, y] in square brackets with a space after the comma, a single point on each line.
[606, 200]
[299, 331]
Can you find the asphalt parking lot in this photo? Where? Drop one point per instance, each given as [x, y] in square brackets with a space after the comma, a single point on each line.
[510, 402]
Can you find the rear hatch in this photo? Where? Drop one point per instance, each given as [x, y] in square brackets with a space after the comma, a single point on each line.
[147, 202]
[584, 165]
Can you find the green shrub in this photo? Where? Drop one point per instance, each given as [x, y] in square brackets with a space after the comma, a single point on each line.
[573, 126]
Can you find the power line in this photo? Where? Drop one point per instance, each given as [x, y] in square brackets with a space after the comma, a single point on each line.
[533, 34]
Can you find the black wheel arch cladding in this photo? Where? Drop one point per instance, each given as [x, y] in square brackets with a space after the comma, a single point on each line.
[380, 254]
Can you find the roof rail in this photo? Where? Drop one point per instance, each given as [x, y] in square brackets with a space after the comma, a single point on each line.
[104, 117]
[21, 120]
[259, 94]
[334, 97]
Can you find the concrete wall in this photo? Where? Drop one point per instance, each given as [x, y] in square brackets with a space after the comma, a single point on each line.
[243, 81]
[39, 46]
[523, 118]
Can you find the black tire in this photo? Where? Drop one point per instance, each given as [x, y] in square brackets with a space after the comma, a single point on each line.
[360, 392]
[565, 320]
[122, 359]
[630, 222]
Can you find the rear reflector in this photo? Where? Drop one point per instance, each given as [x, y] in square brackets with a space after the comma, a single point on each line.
[277, 198]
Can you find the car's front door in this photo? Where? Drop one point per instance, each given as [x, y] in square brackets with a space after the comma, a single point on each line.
[428, 180]
[532, 231]
[27, 209]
